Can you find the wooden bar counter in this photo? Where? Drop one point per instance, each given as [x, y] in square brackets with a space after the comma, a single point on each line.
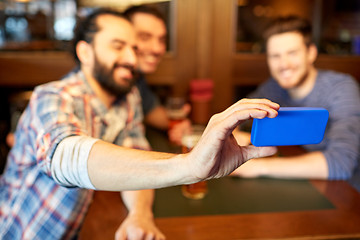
[242, 209]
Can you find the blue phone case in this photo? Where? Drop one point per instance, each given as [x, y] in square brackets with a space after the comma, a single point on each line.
[292, 126]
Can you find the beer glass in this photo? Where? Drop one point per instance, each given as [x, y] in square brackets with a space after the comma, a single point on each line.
[189, 140]
[174, 109]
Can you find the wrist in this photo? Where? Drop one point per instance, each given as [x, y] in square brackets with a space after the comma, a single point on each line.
[261, 166]
[265, 166]
[185, 169]
[141, 213]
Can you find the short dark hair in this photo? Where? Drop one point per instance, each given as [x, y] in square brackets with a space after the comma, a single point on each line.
[290, 23]
[144, 8]
[87, 27]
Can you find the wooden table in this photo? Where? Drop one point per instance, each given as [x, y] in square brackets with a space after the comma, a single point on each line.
[335, 216]
[340, 221]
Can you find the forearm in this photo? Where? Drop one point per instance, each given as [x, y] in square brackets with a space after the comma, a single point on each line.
[139, 202]
[308, 165]
[158, 118]
[116, 168]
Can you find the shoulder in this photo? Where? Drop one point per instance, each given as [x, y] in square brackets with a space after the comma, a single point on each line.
[64, 92]
[71, 85]
[340, 92]
[337, 84]
[332, 77]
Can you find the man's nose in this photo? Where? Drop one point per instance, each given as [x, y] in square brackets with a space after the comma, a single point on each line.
[284, 61]
[157, 46]
[130, 56]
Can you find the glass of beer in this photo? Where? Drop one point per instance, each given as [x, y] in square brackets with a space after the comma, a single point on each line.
[175, 111]
[189, 140]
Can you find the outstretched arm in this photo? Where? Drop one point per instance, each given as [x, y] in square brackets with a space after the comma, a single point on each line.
[216, 155]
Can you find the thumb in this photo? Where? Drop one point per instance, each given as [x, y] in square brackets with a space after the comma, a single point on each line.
[250, 152]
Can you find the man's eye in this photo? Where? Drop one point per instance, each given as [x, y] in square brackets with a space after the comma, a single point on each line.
[274, 56]
[144, 37]
[118, 46]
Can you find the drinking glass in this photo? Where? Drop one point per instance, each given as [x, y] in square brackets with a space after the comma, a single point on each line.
[175, 110]
[189, 140]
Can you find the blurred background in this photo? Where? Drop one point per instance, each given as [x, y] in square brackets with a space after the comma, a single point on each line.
[216, 39]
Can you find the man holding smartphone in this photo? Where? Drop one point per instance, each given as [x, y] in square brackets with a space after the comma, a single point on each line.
[295, 82]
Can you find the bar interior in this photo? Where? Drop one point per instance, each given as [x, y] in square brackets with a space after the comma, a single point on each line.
[214, 56]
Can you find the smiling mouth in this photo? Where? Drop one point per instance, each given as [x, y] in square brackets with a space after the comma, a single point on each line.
[124, 70]
[151, 58]
[286, 73]
[124, 73]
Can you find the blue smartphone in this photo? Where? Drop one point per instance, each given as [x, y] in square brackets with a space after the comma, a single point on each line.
[292, 126]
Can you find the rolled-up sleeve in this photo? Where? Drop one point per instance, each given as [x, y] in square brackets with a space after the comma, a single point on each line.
[53, 120]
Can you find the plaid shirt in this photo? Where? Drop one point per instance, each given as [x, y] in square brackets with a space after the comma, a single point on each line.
[32, 205]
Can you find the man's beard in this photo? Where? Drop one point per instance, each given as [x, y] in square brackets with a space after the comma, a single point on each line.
[105, 78]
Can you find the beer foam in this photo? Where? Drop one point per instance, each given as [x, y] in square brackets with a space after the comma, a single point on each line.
[176, 114]
[190, 141]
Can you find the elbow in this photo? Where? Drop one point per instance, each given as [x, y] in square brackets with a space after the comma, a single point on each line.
[341, 168]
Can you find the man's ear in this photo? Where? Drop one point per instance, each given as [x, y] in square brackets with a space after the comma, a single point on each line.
[84, 52]
[313, 53]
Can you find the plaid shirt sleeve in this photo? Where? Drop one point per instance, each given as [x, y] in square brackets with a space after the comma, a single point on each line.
[54, 119]
[32, 204]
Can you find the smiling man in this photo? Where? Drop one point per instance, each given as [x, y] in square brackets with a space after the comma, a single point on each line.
[85, 133]
[295, 82]
[151, 34]
[45, 189]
